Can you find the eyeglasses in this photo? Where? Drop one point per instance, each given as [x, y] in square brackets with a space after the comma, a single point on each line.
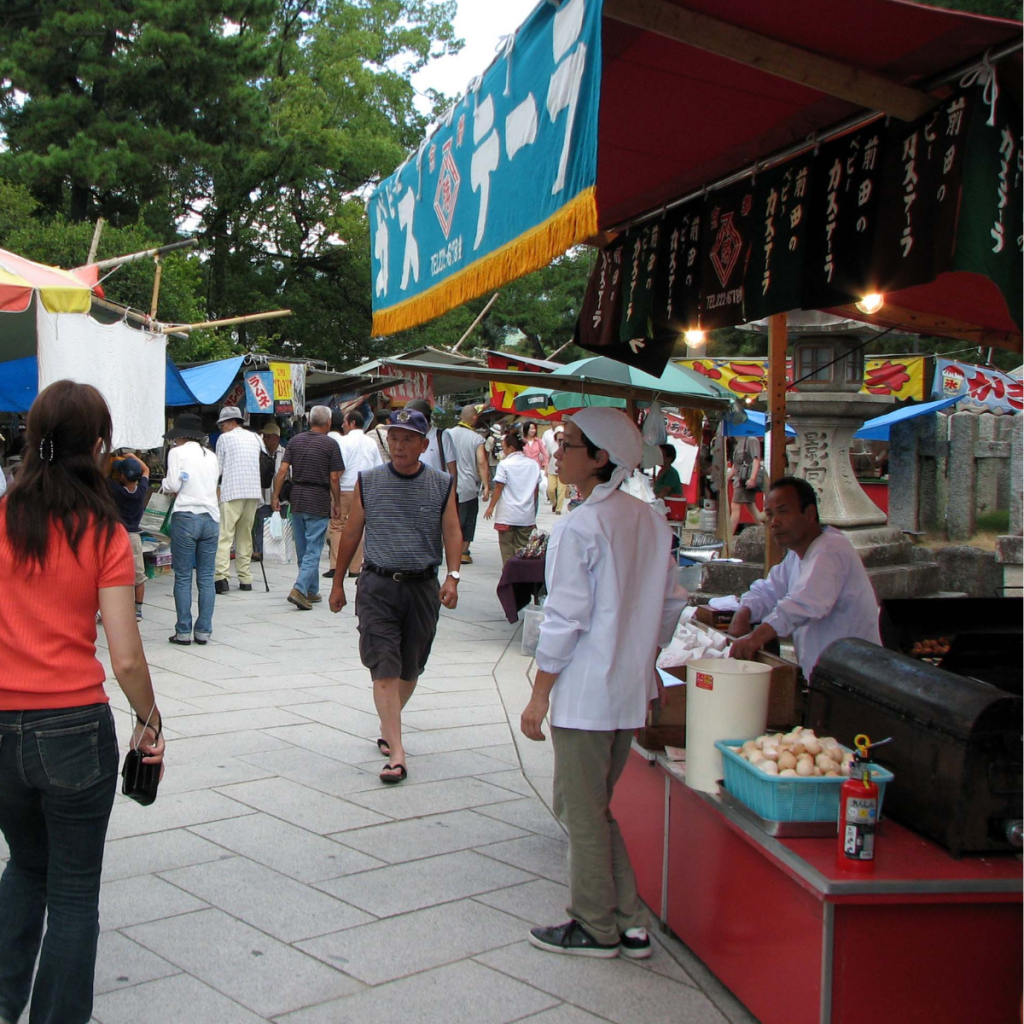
[562, 445]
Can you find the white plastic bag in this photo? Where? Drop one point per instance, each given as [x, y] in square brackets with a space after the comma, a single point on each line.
[654, 429]
[280, 549]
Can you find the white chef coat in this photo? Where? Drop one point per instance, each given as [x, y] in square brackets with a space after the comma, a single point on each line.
[517, 505]
[613, 599]
[822, 597]
[192, 473]
[359, 453]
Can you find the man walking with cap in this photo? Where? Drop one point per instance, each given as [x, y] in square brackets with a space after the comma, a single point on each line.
[612, 602]
[316, 465]
[271, 435]
[397, 507]
[358, 453]
[472, 470]
[238, 456]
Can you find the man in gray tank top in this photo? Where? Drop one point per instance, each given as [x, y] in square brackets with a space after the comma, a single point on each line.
[410, 518]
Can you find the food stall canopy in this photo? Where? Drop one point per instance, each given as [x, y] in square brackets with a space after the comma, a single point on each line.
[209, 382]
[753, 426]
[60, 291]
[585, 122]
[878, 428]
[689, 397]
[19, 384]
[425, 386]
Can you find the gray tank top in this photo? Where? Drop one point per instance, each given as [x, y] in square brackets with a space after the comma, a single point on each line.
[403, 517]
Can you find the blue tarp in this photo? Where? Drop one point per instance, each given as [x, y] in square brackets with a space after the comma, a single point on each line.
[878, 428]
[752, 426]
[200, 385]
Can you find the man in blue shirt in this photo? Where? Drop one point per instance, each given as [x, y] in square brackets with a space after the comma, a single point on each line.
[129, 487]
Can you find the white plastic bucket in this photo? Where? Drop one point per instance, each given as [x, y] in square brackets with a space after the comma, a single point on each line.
[725, 699]
[533, 616]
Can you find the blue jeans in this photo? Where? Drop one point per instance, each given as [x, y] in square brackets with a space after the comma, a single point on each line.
[193, 546]
[57, 779]
[309, 532]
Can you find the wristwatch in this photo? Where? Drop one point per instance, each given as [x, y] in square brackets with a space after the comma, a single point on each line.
[454, 575]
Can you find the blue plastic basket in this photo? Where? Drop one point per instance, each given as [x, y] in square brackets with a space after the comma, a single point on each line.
[788, 799]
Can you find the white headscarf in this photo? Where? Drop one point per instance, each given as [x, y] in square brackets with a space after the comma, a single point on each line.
[612, 431]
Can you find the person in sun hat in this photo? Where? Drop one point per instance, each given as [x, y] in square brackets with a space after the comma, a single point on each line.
[612, 602]
[395, 512]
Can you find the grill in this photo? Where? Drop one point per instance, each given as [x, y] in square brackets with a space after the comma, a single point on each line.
[956, 750]
[980, 637]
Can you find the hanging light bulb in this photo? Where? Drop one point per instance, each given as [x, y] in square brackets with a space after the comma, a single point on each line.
[871, 303]
[694, 338]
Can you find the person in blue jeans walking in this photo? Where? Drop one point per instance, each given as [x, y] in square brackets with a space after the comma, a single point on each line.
[64, 555]
[192, 475]
[316, 465]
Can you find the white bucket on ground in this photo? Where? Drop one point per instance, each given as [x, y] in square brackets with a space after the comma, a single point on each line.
[726, 699]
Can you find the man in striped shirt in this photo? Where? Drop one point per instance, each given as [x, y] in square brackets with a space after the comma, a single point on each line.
[238, 455]
[411, 523]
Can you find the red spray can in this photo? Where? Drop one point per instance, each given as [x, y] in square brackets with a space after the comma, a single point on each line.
[858, 814]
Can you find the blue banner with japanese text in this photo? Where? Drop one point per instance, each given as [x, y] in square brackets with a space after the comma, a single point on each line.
[503, 184]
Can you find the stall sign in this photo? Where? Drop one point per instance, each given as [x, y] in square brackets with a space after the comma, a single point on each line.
[984, 385]
[416, 385]
[259, 391]
[298, 388]
[730, 228]
[503, 396]
[235, 395]
[283, 387]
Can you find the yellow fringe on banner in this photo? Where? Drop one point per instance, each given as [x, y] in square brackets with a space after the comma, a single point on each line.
[533, 249]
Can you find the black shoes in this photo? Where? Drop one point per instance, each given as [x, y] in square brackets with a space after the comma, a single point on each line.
[329, 575]
[181, 643]
[245, 586]
[221, 586]
[571, 938]
[635, 943]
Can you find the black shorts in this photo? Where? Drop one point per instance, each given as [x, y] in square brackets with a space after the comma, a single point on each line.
[468, 512]
[397, 623]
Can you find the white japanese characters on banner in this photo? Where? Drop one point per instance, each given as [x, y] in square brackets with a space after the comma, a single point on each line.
[517, 154]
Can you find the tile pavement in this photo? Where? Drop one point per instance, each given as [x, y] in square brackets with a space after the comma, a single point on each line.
[275, 879]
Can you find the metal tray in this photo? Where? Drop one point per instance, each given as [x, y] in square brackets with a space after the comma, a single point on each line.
[779, 829]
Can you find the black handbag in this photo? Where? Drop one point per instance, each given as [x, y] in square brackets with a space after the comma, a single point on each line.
[139, 781]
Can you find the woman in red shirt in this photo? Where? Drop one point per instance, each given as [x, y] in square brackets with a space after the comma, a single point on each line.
[64, 555]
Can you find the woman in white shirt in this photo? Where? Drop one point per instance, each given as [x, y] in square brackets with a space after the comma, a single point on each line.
[514, 498]
[192, 475]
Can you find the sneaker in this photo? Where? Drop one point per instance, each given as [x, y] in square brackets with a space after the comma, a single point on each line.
[635, 943]
[138, 614]
[299, 599]
[314, 598]
[467, 559]
[180, 641]
[571, 938]
[221, 586]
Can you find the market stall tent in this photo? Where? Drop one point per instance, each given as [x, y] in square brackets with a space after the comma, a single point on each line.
[877, 429]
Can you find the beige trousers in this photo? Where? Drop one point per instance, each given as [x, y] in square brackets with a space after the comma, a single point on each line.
[602, 887]
[336, 528]
[236, 519]
[556, 492]
[510, 541]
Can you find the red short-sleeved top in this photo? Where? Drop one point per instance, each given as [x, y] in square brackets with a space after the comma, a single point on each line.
[48, 619]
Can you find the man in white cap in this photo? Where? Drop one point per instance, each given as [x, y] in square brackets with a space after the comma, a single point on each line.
[612, 602]
[238, 455]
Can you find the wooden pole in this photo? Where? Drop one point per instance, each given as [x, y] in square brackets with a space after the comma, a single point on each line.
[156, 285]
[119, 261]
[95, 243]
[230, 322]
[472, 326]
[776, 456]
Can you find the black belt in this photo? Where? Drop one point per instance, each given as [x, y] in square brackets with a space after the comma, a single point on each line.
[402, 577]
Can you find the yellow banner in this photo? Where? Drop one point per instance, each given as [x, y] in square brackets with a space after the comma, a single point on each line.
[896, 376]
[283, 391]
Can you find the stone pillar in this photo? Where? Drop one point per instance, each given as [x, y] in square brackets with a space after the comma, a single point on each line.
[932, 451]
[986, 484]
[963, 436]
[1016, 469]
[1004, 438]
[904, 476]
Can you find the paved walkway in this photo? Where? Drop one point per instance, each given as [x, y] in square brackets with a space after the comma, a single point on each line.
[276, 879]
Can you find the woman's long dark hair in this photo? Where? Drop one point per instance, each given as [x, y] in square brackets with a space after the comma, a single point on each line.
[60, 482]
[514, 439]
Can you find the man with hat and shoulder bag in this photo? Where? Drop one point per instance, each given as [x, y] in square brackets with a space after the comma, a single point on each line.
[238, 455]
[395, 513]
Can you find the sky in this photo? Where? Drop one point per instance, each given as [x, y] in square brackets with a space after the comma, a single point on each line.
[481, 23]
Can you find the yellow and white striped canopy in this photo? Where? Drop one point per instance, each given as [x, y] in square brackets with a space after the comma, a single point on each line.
[60, 291]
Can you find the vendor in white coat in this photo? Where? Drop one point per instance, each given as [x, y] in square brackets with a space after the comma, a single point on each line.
[612, 602]
[820, 592]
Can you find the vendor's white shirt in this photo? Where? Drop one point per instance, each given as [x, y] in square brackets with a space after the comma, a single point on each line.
[613, 600]
[550, 440]
[192, 473]
[359, 453]
[517, 504]
[822, 597]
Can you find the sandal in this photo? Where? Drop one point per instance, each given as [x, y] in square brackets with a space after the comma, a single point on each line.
[392, 779]
[384, 747]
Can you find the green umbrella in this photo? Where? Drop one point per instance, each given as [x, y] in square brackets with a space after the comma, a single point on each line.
[575, 386]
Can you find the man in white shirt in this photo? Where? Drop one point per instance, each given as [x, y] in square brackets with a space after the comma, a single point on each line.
[359, 453]
[556, 489]
[613, 600]
[472, 471]
[820, 592]
[270, 433]
[440, 453]
[238, 456]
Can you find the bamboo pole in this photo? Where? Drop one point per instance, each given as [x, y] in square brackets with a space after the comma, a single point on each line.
[229, 322]
[156, 285]
[160, 250]
[776, 467]
[472, 326]
[95, 243]
[130, 314]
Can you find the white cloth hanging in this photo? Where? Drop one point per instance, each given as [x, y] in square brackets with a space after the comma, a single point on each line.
[127, 366]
